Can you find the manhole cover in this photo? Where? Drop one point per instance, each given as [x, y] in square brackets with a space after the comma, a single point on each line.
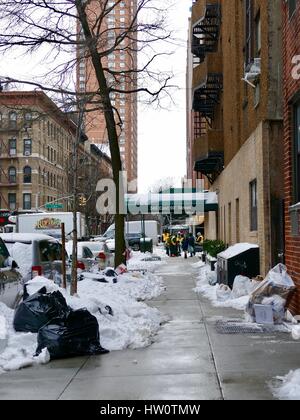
[239, 327]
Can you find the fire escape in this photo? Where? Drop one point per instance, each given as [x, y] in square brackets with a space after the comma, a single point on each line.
[206, 33]
[207, 94]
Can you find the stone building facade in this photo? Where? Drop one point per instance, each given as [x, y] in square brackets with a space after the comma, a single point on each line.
[36, 151]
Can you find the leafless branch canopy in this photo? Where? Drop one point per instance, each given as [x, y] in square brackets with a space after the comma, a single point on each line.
[52, 31]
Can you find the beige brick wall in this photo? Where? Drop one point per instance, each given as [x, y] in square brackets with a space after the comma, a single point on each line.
[233, 184]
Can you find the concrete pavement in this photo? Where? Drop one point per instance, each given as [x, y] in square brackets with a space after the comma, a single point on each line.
[188, 361]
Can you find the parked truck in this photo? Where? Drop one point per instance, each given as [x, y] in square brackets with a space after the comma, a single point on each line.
[47, 224]
[151, 230]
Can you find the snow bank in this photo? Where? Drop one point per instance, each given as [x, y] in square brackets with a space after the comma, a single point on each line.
[210, 292]
[132, 323]
[20, 347]
[137, 263]
[289, 388]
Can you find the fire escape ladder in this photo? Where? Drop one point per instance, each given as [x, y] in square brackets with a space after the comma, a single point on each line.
[206, 32]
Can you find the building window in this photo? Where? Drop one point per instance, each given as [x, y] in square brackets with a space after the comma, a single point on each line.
[248, 32]
[27, 147]
[12, 175]
[253, 206]
[27, 175]
[257, 35]
[12, 147]
[237, 219]
[26, 201]
[12, 120]
[12, 201]
[27, 119]
[292, 7]
[297, 152]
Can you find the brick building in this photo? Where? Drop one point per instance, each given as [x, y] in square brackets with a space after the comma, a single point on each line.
[36, 147]
[237, 106]
[120, 60]
[291, 39]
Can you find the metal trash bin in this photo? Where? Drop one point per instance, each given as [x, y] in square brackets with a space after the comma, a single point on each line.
[146, 245]
[240, 259]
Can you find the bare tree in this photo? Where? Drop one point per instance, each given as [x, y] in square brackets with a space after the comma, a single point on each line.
[66, 32]
[163, 184]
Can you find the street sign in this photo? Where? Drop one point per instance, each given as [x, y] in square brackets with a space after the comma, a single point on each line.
[54, 206]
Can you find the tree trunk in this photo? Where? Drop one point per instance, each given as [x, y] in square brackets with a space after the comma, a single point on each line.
[120, 247]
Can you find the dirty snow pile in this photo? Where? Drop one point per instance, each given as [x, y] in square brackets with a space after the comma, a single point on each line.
[289, 388]
[140, 261]
[19, 348]
[219, 297]
[124, 320]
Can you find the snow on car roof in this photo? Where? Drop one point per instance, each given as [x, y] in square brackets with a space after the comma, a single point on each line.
[25, 237]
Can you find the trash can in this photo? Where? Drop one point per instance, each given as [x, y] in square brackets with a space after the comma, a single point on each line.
[240, 259]
[146, 245]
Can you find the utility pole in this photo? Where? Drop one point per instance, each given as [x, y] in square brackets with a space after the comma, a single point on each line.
[75, 194]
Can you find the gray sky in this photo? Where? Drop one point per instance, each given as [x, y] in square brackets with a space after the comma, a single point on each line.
[162, 133]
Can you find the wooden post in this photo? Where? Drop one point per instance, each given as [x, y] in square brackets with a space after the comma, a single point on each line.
[63, 257]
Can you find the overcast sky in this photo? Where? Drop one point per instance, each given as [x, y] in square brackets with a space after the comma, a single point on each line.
[162, 133]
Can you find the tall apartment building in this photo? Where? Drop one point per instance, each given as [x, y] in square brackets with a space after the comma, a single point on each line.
[119, 61]
[237, 102]
[291, 43]
[36, 148]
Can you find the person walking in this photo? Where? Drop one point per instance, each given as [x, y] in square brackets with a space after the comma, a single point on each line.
[174, 246]
[185, 245]
[168, 245]
[192, 245]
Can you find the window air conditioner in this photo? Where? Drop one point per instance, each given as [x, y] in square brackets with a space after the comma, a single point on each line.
[252, 76]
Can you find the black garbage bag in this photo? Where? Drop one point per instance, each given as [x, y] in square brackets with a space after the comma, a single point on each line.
[38, 309]
[75, 335]
[109, 272]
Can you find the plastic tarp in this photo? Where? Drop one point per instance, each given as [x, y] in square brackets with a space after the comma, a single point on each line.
[75, 335]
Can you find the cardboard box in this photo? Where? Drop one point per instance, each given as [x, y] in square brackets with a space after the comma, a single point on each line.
[264, 314]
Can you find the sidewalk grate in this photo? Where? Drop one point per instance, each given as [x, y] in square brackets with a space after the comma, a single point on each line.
[239, 327]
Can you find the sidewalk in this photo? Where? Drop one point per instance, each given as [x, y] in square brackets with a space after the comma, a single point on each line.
[188, 361]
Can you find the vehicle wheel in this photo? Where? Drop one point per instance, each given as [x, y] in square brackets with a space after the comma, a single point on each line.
[136, 247]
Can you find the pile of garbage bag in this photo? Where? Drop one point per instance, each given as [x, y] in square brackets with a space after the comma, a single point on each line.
[38, 309]
[75, 335]
[273, 291]
[63, 331]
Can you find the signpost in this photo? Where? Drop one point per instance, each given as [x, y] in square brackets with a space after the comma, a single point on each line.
[54, 206]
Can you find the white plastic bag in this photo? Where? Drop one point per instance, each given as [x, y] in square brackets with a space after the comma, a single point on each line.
[277, 287]
[241, 287]
[278, 306]
[212, 278]
[278, 276]
[223, 293]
